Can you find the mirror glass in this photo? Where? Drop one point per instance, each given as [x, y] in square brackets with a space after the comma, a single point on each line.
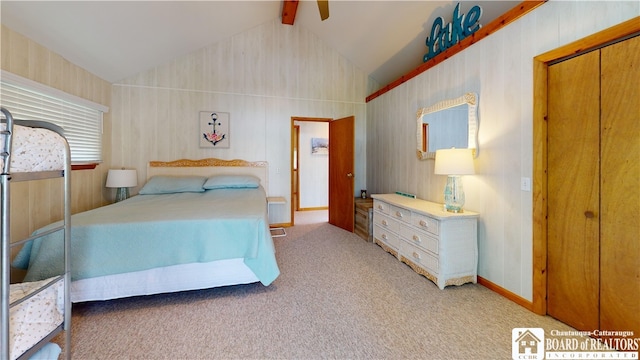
[447, 124]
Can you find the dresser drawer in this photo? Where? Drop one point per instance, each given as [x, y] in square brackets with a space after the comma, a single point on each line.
[425, 223]
[419, 238]
[381, 206]
[401, 214]
[386, 236]
[386, 222]
[419, 257]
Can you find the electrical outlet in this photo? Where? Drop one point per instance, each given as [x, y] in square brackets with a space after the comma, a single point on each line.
[525, 184]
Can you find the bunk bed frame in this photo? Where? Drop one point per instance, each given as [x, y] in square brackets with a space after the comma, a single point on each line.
[7, 177]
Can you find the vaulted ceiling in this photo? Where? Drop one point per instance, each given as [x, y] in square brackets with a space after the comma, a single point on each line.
[117, 39]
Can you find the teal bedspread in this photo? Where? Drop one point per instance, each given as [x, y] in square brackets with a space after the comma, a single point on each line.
[149, 231]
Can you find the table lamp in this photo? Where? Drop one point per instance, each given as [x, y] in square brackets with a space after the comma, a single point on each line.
[122, 179]
[454, 163]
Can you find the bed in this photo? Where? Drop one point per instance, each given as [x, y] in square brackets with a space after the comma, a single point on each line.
[195, 224]
[34, 312]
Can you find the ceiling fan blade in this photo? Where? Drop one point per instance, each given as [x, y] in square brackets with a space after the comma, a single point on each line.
[323, 6]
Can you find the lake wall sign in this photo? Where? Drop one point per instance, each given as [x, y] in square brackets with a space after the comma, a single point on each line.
[444, 36]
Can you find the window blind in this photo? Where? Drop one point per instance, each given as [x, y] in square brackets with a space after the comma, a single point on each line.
[82, 125]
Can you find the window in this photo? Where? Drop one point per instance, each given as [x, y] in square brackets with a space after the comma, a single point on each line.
[81, 119]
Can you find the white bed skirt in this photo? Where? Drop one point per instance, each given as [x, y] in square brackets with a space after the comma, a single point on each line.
[163, 280]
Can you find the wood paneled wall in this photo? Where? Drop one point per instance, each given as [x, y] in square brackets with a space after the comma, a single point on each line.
[34, 204]
[262, 77]
[500, 69]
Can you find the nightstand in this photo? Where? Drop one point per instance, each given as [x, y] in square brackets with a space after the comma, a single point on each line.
[276, 200]
[363, 218]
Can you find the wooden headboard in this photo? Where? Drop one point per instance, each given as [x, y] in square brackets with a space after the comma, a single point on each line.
[210, 167]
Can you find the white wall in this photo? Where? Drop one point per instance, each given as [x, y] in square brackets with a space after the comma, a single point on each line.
[500, 70]
[313, 169]
[262, 77]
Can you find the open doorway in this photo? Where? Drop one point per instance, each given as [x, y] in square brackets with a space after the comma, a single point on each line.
[340, 163]
[310, 170]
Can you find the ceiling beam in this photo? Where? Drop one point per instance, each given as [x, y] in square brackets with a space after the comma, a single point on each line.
[289, 8]
[323, 7]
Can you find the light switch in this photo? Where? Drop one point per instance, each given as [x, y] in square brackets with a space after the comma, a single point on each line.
[525, 184]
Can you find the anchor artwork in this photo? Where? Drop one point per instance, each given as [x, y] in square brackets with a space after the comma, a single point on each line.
[214, 129]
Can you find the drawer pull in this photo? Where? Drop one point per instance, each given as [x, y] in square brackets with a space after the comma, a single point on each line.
[384, 236]
[399, 214]
[416, 255]
[424, 223]
[416, 238]
[380, 207]
[384, 222]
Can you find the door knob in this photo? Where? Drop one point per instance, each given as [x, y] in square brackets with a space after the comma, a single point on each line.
[350, 175]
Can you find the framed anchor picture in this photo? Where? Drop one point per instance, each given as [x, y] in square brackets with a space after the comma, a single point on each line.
[214, 129]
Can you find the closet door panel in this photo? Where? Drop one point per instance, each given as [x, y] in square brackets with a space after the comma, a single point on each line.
[573, 191]
[620, 194]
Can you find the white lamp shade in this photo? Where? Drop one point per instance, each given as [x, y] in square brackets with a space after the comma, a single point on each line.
[118, 178]
[454, 162]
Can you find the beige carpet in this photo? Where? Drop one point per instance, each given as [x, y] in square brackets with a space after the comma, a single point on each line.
[338, 297]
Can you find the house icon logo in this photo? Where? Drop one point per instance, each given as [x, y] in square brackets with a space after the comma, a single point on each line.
[527, 343]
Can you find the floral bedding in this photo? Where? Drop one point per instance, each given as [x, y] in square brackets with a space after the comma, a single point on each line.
[34, 318]
[35, 149]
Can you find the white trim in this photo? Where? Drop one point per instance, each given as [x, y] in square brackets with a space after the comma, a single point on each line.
[18, 80]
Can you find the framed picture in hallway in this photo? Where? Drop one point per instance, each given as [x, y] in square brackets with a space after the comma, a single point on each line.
[214, 129]
[319, 146]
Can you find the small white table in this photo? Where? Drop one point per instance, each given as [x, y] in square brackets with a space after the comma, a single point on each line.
[276, 200]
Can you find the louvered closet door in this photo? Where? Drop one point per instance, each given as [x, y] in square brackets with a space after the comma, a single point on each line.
[573, 191]
[619, 189]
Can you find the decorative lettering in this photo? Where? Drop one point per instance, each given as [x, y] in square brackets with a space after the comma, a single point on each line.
[444, 36]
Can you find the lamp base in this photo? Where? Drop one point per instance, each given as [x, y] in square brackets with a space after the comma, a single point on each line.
[453, 209]
[454, 194]
[122, 194]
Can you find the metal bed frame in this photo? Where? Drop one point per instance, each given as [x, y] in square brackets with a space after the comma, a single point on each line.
[6, 178]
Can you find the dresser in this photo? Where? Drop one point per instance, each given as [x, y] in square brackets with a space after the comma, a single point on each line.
[363, 218]
[437, 244]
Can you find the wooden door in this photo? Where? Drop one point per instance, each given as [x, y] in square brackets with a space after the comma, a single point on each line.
[620, 187]
[341, 172]
[573, 191]
[593, 259]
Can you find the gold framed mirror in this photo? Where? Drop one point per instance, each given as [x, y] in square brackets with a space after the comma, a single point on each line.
[446, 124]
